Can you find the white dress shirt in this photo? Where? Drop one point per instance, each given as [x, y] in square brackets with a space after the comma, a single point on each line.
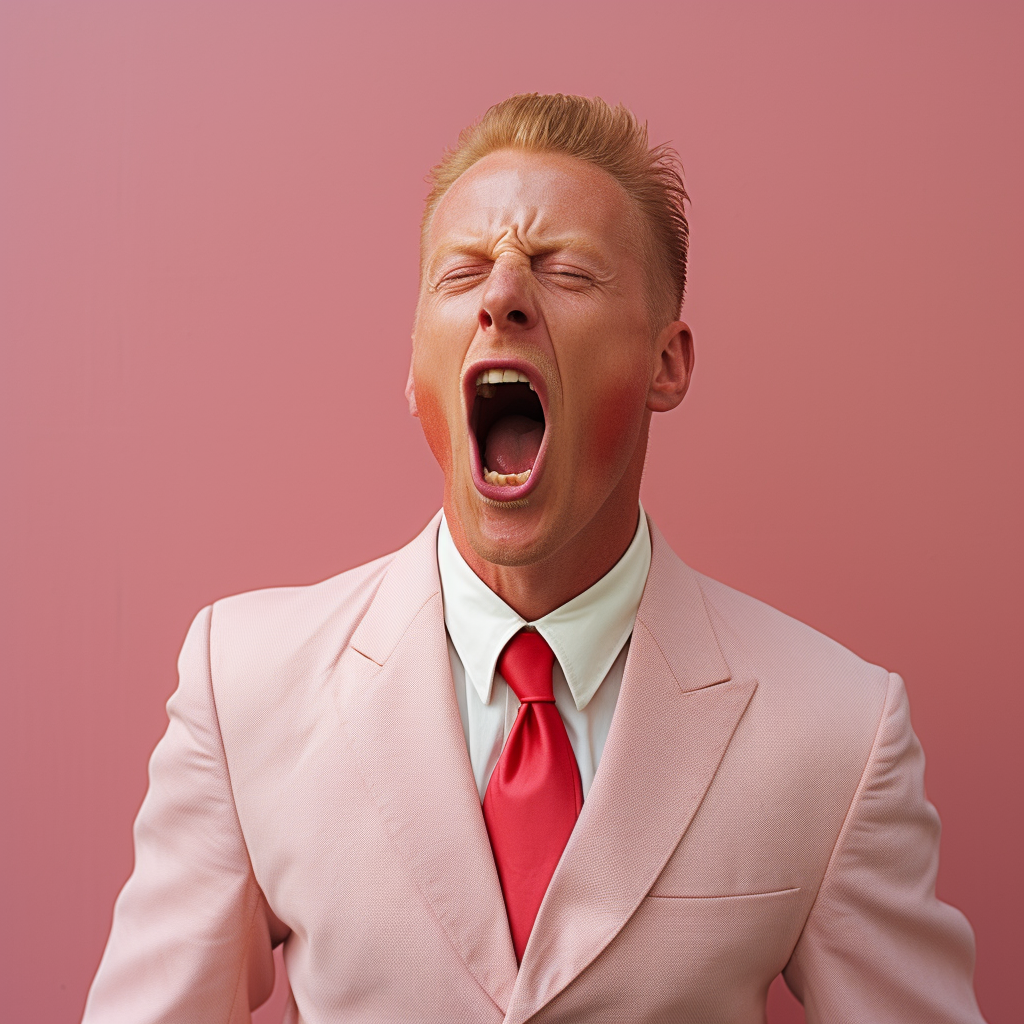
[589, 635]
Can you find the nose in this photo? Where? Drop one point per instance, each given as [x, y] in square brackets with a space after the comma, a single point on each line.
[508, 302]
[514, 316]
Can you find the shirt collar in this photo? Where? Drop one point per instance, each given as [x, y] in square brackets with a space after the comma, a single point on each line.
[585, 633]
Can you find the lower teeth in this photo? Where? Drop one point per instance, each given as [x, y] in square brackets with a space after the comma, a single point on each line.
[506, 479]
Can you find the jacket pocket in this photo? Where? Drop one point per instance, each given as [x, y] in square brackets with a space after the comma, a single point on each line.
[728, 896]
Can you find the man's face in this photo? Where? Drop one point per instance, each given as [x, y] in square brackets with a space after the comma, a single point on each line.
[533, 276]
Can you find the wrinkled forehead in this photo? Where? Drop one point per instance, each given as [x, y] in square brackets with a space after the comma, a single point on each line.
[535, 198]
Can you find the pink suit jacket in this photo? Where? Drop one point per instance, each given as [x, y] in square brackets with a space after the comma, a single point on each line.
[759, 807]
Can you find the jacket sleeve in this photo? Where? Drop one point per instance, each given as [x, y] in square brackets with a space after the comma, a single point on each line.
[878, 946]
[190, 940]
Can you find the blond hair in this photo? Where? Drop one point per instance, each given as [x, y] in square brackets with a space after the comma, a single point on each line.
[608, 137]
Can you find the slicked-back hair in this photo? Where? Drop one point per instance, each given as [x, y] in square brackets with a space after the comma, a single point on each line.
[608, 137]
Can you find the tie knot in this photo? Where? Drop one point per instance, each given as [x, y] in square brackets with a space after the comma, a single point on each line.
[526, 664]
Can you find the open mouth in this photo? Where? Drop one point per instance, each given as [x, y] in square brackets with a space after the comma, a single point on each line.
[507, 422]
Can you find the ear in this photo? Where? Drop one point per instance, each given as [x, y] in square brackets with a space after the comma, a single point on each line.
[410, 393]
[673, 353]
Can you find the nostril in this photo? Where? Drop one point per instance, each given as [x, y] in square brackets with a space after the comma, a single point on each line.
[485, 318]
[517, 316]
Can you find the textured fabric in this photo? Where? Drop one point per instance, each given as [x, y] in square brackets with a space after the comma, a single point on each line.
[759, 808]
[535, 795]
[589, 635]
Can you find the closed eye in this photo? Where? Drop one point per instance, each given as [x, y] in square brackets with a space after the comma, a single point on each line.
[566, 278]
[463, 276]
[567, 272]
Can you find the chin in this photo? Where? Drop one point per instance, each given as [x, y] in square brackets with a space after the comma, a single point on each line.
[513, 533]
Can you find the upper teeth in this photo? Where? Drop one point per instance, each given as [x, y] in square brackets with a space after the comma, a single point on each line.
[503, 376]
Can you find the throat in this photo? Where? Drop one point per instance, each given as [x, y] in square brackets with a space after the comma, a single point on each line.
[512, 445]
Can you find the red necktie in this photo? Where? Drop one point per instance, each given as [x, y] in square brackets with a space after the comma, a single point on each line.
[534, 796]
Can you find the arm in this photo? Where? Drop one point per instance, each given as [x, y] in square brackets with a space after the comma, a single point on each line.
[878, 946]
[191, 934]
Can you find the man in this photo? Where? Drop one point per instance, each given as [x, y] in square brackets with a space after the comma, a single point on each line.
[532, 766]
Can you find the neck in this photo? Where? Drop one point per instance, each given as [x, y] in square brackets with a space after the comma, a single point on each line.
[535, 589]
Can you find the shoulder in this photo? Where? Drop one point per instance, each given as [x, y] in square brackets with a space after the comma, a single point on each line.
[777, 640]
[281, 632]
[817, 693]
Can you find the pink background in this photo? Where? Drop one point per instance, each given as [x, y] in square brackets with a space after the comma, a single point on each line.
[208, 230]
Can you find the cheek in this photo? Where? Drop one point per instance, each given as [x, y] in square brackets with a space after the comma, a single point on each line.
[431, 373]
[435, 426]
[613, 421]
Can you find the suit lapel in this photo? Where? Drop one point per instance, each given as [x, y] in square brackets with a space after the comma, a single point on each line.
[400, 717]
[676, 713]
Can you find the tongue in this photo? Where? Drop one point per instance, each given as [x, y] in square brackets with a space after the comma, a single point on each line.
[512, 444]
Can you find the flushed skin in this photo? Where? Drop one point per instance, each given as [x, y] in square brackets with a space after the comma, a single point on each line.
[759, 805]
[536, 260]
